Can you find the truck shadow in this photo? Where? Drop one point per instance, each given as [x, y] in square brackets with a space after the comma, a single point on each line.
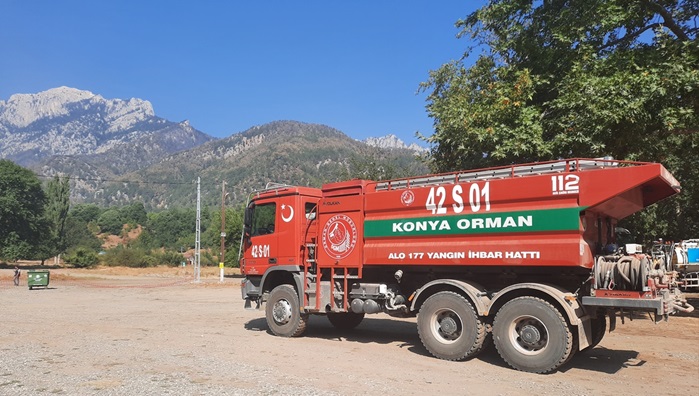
[604, 360]
[693, 300]
[370, 331]
[404, 334]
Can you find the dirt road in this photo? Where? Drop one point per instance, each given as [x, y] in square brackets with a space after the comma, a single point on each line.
[162, 334]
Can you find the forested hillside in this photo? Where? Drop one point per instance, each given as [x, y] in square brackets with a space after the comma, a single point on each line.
[286, 152]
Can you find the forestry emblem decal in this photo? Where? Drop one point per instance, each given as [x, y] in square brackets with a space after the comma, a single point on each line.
[407, 198]
[339, 236]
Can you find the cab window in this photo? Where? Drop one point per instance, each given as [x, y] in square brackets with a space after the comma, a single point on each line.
[263, 219]
[310, 208]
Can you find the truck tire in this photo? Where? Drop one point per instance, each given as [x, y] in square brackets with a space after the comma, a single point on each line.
[345, 321]
[449, 327]
[282, 312]
[531, 335]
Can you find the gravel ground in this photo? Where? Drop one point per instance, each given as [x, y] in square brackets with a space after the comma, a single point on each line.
[165, 335]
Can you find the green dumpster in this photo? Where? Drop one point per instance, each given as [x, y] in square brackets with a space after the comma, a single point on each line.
[37, 278]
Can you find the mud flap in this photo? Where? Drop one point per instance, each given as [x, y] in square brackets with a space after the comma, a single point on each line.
[584, 333]
[248, 304]
[612, 320]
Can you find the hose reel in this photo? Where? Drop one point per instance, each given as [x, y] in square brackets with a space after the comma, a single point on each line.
[621, 273]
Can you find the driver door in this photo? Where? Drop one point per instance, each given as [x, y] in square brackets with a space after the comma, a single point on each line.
[262, 250]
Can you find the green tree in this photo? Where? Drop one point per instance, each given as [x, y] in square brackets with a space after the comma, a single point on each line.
[85, 213]
[170, 227]
[145, 240]
[57, 206]
[15, 248]
[575, 78]
[21, 211]
[77, 234]
[234, 228]
[134, 214]
[111, 221]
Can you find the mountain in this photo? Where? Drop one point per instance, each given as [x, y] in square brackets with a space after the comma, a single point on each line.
[393, 142]
[287, 152]
[111, 135]
[118, 151]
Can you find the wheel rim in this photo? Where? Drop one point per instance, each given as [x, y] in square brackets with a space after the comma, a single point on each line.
[528, 335]
[281, 312]
[446, 326]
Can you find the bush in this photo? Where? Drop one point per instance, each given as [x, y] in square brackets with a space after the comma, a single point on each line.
[232, 258]
[172, 259]
[139, 258]
[207, 259]
[136, 258]
[82, 258]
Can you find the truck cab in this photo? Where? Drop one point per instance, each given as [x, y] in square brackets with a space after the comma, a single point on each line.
[277, 232]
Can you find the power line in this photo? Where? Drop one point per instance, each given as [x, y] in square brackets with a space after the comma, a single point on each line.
[123, 181]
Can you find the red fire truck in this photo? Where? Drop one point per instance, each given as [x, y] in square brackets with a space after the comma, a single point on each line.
[526, 255]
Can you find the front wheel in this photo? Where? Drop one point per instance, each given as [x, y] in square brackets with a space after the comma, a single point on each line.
[283, 314]
[531, 335]
[449, 327]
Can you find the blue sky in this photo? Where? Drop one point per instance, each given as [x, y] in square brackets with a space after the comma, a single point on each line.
[228, 65]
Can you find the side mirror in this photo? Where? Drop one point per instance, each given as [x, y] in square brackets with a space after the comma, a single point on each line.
[247, 221]
[311, 216]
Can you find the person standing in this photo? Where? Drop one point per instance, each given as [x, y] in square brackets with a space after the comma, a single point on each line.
[16, 276]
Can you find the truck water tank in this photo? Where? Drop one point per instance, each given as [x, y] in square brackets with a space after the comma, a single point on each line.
[693, 255]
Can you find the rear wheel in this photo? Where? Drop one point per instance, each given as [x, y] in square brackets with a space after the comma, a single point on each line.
[449, 327]
[345, 321]
[531, 335]
[282, 312]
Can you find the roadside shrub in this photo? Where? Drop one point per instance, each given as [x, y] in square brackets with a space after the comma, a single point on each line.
[82, 257]
[207, 259]
[127, 257]
[148, 261]
[172, 259]
[232, 258]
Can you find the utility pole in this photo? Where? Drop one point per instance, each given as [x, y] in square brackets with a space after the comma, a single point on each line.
[223, 229]
[197, 242]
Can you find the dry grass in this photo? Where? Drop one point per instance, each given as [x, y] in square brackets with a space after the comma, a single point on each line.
[61, 273]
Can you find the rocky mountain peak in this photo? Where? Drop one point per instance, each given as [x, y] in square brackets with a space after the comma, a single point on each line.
[21, 110]
[63, 121]
[392, 141]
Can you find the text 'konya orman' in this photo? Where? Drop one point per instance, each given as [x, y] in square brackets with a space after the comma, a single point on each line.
[464, 224]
